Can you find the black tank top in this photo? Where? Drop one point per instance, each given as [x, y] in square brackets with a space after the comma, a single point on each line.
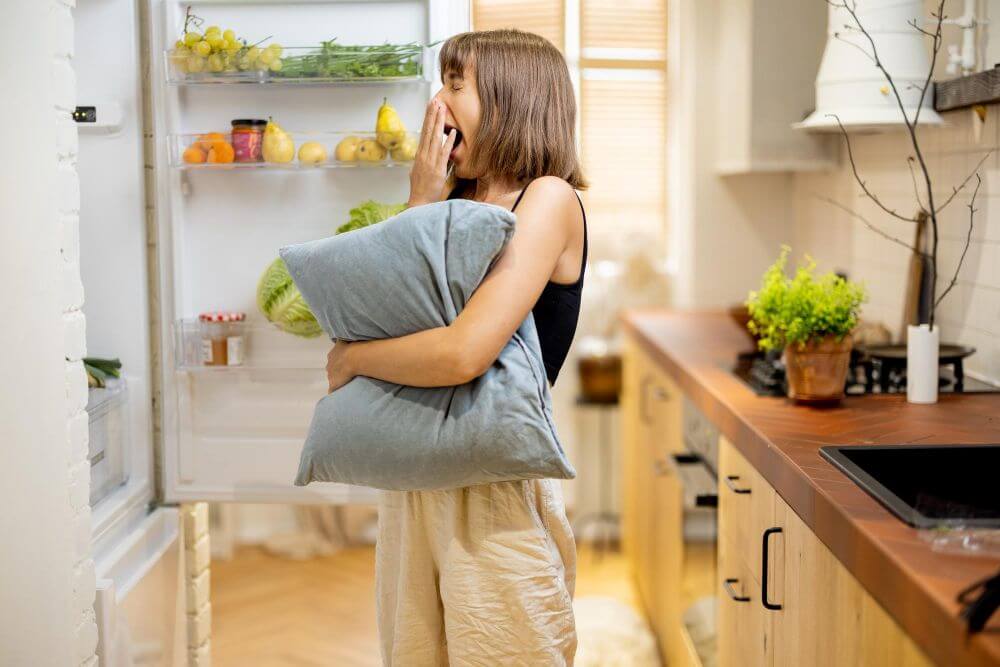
[558, 310]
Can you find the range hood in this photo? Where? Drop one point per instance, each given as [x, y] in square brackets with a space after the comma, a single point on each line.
[851, 87]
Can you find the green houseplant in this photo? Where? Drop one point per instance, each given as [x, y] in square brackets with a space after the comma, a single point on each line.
[811, 318]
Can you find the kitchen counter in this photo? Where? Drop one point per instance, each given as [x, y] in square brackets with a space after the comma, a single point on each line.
[916, 585]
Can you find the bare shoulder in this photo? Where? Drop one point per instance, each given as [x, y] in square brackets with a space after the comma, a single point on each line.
[553, 196]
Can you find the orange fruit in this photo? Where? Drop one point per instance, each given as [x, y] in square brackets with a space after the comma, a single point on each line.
[221, 152]
[206, 141]
[193, 154]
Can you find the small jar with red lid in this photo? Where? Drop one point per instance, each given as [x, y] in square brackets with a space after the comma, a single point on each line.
[222, 338]
[248, 139]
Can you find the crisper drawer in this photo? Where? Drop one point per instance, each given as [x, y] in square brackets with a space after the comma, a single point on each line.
[108, 452]
[746, 506]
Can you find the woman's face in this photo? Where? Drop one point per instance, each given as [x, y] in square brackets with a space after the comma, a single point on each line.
[460, 98]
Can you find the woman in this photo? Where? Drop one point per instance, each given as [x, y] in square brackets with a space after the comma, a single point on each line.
[484, 575]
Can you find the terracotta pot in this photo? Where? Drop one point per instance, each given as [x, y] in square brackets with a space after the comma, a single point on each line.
[601, 378]
[817, 371]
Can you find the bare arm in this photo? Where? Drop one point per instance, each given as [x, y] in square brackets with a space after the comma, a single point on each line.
[466, 348]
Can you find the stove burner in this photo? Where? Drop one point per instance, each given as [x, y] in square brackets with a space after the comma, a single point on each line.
[867, 374]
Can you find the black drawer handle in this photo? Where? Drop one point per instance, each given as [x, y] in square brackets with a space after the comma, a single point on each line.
[729, 479]
[763, 566]
[728, 585]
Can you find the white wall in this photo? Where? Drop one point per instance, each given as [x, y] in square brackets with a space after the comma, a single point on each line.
[47, 590]
[724, 231]
[971, 313]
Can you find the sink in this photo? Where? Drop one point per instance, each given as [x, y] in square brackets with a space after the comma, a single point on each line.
[927, 485]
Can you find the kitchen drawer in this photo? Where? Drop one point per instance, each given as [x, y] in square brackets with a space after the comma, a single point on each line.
[745, 632]
[746, 506]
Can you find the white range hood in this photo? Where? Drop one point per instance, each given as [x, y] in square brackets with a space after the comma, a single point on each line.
[850, 86]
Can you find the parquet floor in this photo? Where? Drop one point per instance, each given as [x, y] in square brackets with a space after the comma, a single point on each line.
[274, 612]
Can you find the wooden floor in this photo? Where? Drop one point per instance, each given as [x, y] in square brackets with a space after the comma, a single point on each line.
[271, 612]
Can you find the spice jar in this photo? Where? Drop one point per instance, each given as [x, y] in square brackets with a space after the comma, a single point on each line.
[248, 139]
[213, 340]
[222, 338]
[234, 339]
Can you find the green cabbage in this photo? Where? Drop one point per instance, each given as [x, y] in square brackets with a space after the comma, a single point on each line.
[368, 213]
[281, 302]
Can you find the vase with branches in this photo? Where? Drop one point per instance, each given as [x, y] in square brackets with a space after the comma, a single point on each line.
[922, 372]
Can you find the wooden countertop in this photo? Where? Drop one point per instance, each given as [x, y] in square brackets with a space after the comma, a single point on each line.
[916, 585]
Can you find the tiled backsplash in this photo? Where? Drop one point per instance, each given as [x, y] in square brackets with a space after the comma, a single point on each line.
[970, 314]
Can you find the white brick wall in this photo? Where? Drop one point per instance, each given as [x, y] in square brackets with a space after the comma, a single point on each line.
[67, 192]
[197, 574]
[970, 314]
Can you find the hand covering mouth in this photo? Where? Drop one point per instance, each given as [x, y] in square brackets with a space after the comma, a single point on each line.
[458, 134]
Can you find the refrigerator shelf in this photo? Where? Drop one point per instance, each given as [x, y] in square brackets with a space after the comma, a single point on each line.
[299, 65]
[241, 347]
[193, 152]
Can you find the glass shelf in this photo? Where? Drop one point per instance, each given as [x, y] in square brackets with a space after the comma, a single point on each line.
[192, 152]
[260, 346]
[302, 65]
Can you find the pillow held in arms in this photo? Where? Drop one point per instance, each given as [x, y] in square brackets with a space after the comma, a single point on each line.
[413, 272]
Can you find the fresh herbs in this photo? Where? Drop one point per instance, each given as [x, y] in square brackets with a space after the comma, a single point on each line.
[99, 371]
[795, 310]
[337, 61]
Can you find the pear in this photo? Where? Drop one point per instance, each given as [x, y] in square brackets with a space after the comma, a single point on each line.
[370, 150]
[347, 149]
[312, 152]
[277, 145]
[389, 129]
[406, 151]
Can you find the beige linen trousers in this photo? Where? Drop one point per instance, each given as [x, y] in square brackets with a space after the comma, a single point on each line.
[477, 576]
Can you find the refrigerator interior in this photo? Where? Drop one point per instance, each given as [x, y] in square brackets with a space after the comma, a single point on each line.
[113, 259]
[234, 433]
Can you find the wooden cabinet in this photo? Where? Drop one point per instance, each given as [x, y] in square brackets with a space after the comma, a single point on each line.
[784, 598]
[652, 507]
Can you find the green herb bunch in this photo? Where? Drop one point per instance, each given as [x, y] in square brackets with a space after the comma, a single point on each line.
[793, 310]
[337, 61]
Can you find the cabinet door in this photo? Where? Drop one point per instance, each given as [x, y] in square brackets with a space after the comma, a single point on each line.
[744, 632]
[827, 619]
[746, 506]
[630, 439]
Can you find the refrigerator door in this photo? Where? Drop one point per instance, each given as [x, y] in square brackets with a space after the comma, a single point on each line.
[140, 595]
[234, 431]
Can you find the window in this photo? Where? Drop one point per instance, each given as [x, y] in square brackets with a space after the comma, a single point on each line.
[617, 57]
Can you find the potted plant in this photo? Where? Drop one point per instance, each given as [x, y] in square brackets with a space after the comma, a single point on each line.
[810, 317]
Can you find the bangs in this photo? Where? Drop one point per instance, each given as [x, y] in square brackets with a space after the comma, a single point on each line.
[456, 53]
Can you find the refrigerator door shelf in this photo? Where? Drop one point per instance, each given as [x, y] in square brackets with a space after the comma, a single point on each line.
[328, 150]
[302, 65]
[246, 346]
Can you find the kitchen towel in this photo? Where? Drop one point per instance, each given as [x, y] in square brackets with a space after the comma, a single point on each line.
[412, 272]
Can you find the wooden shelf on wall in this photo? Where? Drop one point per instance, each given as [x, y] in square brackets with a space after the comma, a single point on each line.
[967, 91]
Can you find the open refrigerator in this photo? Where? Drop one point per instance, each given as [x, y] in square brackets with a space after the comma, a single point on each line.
[230, 431]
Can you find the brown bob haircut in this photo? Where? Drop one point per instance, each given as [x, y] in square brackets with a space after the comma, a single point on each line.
[528, 124]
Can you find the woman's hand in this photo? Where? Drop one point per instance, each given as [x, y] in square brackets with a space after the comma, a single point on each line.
[430, 165]
[338, 370]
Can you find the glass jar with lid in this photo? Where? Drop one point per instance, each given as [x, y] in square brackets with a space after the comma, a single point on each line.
[248, 139]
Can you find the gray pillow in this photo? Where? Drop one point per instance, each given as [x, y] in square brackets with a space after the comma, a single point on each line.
[413, 272]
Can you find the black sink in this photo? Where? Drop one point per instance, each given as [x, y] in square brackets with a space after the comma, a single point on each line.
[928, 485]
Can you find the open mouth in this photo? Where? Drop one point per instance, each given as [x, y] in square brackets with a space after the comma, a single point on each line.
[458, 135]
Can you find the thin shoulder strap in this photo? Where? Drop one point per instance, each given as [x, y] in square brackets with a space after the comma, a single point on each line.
[520, 196]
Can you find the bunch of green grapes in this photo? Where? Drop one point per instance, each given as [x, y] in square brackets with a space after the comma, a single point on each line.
[220, 51]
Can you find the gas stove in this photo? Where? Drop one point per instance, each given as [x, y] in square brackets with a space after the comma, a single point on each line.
[764, 373]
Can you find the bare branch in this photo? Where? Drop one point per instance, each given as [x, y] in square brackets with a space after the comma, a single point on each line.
[869, 224]
[934, 54]
[916, 192]
[968, 241]
[955, 191]
[913, 23]
[860, 48]
[854, 167]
